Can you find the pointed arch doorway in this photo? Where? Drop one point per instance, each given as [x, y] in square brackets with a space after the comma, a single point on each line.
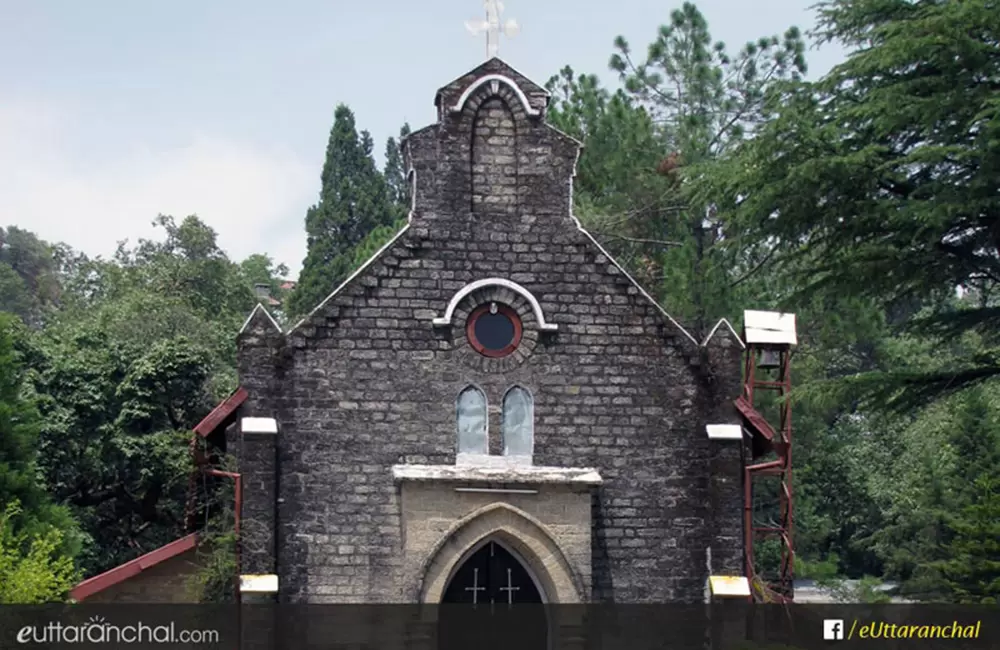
[493, 598]
[492, 575]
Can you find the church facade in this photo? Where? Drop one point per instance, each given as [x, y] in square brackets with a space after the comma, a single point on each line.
[491, 409]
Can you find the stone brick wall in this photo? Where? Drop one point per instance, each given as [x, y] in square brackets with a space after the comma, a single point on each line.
[494, 158]
[369, 381]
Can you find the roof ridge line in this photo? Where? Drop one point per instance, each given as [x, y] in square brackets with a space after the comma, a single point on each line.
[411, 175]
[253, 312]
[731, 329]
[628, 276]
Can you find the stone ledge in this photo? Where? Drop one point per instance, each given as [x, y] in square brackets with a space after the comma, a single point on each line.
[522, 475]
[259, 584]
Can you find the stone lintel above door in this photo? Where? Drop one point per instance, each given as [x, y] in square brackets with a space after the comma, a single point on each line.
[513, 474]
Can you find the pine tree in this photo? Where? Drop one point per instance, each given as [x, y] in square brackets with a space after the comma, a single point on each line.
[879, 180]
[975, 439]
[703, 101]
[394, 172]
[972, 571]
[354, 201]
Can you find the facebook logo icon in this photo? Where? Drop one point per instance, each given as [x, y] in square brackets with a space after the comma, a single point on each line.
[833, 629]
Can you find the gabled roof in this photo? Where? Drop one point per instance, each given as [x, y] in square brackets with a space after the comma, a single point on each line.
[260, 312]
[635, 283]
[455, 90]
[123, 572]
[494, 66]
[222, 413]
[358, 272]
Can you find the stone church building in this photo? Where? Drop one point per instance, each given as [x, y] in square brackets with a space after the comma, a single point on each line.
[491, 409]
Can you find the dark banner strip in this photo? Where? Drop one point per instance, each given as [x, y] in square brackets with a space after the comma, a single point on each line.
[735, 626]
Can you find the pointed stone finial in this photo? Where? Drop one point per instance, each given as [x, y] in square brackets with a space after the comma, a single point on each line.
[492, 27]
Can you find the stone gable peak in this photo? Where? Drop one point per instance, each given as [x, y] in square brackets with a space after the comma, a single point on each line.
[491, 157]
[495, 71]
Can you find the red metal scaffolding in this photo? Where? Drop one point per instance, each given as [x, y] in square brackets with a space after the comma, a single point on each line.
[767, 374]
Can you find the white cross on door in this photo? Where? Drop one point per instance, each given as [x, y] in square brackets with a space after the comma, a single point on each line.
[475, 588]
[510, 589]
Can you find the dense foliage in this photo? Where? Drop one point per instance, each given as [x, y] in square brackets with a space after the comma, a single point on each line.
[38, 537]
[880, 179]
[33, 569]
[866, 201]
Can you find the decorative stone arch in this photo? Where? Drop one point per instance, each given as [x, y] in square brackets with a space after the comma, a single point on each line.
[493, 115]
[521, 534]
[491, 85]
[504, 292]
[536, 308]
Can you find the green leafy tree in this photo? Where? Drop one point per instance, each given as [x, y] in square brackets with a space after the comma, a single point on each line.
[29, 284]
[354, 200]
[706, 99]
[141, 350]
[115, 435]
[926, 472]
[33, 570]
[189, 264]
[260, 269]
[879, 180]
[15, 297]
[19, 443]
[621, 143]
[37, 537]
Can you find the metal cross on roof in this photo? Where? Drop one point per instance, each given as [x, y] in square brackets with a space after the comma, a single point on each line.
[491, 25]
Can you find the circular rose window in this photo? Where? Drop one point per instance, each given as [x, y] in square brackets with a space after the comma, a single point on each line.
[494, 330]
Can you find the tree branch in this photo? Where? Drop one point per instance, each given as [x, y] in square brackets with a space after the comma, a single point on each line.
[756, 267]
[638, 240]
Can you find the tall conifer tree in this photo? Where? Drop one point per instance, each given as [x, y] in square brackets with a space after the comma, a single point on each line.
[354, 201]
[704, 101]
[395, 172]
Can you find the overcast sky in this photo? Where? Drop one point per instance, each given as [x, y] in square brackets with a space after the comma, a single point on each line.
[112, 111]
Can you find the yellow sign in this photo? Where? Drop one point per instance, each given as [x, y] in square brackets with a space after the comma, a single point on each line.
[729, 586]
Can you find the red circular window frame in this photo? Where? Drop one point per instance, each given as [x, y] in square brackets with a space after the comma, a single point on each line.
[470, 331]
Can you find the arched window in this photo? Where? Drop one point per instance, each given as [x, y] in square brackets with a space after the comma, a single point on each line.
[472, 422]
[517, 423]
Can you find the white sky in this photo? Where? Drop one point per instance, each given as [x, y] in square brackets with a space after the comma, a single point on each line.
[112, 111]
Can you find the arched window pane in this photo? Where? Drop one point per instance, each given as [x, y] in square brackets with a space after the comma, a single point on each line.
[517, 423]
[472, 422]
